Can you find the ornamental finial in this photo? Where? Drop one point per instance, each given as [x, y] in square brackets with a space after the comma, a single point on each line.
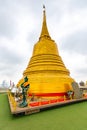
[43, 6]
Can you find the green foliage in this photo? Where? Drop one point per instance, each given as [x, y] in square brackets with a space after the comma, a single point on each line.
[72, 117]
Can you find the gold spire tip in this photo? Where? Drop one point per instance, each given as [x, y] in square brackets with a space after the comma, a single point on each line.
[43, 7]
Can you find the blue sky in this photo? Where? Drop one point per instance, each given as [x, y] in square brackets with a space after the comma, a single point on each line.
[20, 27]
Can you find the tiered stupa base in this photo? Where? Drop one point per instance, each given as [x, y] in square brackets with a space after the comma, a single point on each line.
[51, 86]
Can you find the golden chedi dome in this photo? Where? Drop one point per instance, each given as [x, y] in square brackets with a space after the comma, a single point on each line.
[46, 71]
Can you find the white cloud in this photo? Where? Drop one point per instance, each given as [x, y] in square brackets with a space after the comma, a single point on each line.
[77, 65]
[69, 24]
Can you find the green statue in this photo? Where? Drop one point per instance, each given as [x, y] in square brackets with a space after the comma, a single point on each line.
[25, 86]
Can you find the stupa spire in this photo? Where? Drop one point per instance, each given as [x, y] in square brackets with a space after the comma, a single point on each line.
[44, 31]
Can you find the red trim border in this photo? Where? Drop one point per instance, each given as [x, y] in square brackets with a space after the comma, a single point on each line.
[48, 94]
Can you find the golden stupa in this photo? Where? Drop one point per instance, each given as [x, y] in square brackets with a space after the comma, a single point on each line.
[46, 71]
